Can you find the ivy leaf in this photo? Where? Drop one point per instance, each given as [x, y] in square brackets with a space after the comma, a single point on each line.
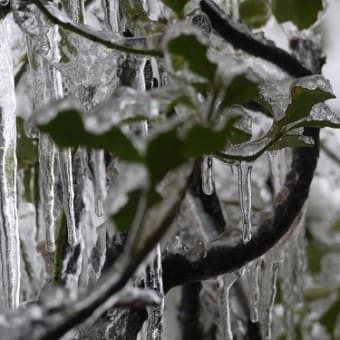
[168, 150]
[302, 102]
[67, 130]
[255, 13]
[303, 13]
[176, 5]
[186, 49]
[240, 91]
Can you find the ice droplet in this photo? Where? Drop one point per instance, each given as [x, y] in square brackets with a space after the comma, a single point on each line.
[9, 230]
[244, 186]
[207, 176]
[153, 280]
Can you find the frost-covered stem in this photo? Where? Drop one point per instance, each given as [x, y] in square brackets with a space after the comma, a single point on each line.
[93, 35]
[9, 229]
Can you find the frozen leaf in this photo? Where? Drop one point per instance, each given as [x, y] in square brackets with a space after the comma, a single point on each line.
[182, 148]
[67, 130]
[239, 91]
[189, 50]
[255, 13]
[303, 13]
[303, 99]
[292, 141]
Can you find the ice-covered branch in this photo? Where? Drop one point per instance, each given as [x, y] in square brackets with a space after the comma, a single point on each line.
[89, 34]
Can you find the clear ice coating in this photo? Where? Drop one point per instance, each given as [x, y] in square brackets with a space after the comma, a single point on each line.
[244, 188]
[207, 175]
[154, 280]
[9, 230]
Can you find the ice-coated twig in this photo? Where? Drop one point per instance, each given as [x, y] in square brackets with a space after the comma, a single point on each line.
[9, 229]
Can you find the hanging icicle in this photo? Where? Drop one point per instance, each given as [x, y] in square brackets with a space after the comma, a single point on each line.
[99, 179]
[228, 281]
[254, 289]
[207, 175]
[270, 267]
[244, 187]
[65, 168]
[153, 280]
[9, 230]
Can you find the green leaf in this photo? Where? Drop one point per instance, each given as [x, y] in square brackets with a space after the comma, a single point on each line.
[27, 153]
[291, 141]
[302, 102]
[303, 13]
[176, 5]
[67, 130]
[168, 150]
[240, 91]
[187, 50]
[328, 320]
[255, 13]
[125, 216]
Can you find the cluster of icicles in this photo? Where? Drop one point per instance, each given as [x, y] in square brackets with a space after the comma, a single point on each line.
[55, 164]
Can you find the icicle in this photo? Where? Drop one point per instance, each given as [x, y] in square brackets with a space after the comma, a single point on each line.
[207, 176]
[47, 85]
[153, 280]
[9, 230]
[65, 166]
[99, 178]
[244, 187]
[254, 289]
[228, 281]
[47, 151]
[111, 12]
[268, 293]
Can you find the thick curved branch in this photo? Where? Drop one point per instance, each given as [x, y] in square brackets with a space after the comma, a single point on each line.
[229, 255]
